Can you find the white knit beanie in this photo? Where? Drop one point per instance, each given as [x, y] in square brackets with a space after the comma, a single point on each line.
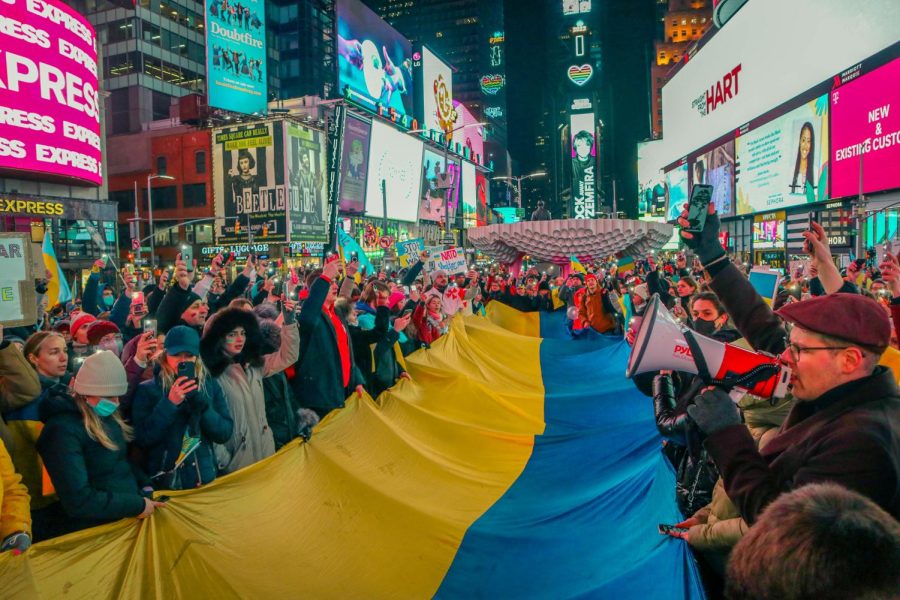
[103, 375]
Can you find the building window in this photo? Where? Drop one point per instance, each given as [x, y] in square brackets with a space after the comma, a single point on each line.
[684, 21]
[200, 162]
[124, 198]
[161, 165]
[165, 197]
[194, 194]
[684, 32]
[693, 32]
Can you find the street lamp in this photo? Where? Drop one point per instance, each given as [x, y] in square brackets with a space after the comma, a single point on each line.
[150, 215]
[519, 179]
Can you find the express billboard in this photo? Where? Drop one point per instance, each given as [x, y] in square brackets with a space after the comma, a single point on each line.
[236, 55]
[49, 101]
[785, 161]
[354, 165]
[866, 132]
[374, 59]
[396, 159]
[437, 94]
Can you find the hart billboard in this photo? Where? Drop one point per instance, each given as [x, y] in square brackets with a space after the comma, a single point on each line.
[49, 101]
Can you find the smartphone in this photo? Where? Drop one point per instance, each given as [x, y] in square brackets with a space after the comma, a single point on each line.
[230, 258]
[187, 255]
[278, 289]
[162, 498]
[137, 302]
[406, 313]
[187, 368]
[670, 529]
[698, 207]
[150, 325]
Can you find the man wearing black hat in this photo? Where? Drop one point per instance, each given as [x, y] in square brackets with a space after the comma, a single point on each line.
[845, 426]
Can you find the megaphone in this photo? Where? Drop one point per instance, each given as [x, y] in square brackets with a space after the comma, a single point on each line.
[662, 343]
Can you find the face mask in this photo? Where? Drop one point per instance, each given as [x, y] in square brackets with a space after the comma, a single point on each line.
[704, 327]
[105, 407]
[108, 301]
[114, 346]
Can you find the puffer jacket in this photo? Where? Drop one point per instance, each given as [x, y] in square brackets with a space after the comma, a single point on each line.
[721, 523]
[95, 484]
[161, 426]
[15, 515]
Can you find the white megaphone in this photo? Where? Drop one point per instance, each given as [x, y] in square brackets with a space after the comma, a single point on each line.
[662, 343]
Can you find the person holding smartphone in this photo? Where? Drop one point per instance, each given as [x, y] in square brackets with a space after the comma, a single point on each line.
[179, 415]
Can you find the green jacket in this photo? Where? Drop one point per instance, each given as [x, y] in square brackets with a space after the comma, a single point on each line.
[95, 485]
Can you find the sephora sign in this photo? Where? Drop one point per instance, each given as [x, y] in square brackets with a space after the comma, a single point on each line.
[49, 101]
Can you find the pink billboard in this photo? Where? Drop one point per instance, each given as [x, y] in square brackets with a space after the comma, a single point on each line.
[49, 102]
[866, 129]
[468, 134]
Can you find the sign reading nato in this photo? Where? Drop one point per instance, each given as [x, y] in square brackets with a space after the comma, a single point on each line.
[236, 55]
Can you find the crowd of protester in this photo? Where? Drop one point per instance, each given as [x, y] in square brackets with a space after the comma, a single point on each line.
[169, 383]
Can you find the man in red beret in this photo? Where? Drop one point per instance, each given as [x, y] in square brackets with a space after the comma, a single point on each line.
[845, 425]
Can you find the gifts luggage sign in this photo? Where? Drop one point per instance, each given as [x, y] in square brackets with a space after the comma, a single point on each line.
[453, 261]
[18, 303]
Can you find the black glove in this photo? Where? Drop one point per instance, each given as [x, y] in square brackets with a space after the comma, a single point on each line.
[706, 243]
[714, 410]
[290, 316]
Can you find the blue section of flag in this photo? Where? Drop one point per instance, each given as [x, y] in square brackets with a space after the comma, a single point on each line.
[58, 283]
[581, 520]
[348, 246]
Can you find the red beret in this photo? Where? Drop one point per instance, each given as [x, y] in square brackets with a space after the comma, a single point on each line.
[590, 276]
[852, 317]
[98, 329]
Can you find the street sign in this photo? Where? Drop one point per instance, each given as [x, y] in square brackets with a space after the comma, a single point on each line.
[135, 244]
[386, 241]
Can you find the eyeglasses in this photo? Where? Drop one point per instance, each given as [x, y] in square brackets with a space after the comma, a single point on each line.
[796, 349]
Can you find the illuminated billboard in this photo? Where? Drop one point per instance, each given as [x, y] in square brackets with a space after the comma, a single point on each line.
[469, 133]
[354, 165]
[784, 162]
[482, 190]
[864, 130]
[374, 59]
[396, 159]
[576, 7]
[469, 195]
[249, 182]
[583, 149]
[440, 183]
[307, 192]
[236, 55]
[716, 168]
[676, 191]
[49, 105]
[768, 234]
[437, 94]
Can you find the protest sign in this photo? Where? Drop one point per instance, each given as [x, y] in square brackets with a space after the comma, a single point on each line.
[18, 303]
[408, 252]
[452, 261]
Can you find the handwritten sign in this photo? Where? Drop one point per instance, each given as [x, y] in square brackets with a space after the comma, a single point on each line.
[408, 252]
[18, 303]
[453, 261]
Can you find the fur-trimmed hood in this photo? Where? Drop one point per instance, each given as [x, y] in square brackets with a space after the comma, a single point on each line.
[217, 327]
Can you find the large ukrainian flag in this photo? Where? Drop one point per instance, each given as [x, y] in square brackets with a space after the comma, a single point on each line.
[514, 464]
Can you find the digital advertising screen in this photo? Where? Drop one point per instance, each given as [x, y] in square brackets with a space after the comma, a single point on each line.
[437, 94]
[784, 162]
[768, 235]
[583, 150]
[49, 104]
[470, 135]
[482, 190]
[864, 130]
[469, 195]
[249, 181]
[396, 159]
[676, 191]
[374, 60]
[716, 168]
[440, 183]
[236, 55]
[307, 189]
[354, 165]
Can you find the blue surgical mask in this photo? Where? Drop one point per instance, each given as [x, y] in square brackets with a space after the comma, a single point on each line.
[109, 301]
[106, 406]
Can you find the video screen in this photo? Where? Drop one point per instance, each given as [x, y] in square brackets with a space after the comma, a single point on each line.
[676, 191]
[354, 165]
[440, 184]
[784, 162]
[437, 93]
[374, 60]
[469, 195]
[716, 168]
[864, 131]
[396, 159]
[768, 234]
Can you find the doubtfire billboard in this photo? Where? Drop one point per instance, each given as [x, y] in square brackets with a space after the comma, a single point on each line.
[584, 166]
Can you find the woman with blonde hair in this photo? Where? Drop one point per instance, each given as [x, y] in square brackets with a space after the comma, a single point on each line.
[83, 446]
[179, 414]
